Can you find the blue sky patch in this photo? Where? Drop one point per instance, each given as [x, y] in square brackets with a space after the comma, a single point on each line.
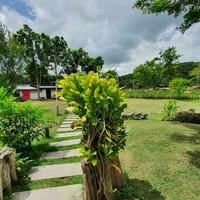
[19, 6]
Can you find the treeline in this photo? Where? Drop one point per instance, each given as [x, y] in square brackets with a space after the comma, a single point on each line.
[159, 71]
[36, 58]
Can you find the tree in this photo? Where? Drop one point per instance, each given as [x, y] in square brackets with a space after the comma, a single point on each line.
[196, 72]
[36, 54]
[189, 9]
[99, 103]
[91, 64]
[110, 74]
[11, 57]
[127, 81]
[148, 75]
[179, 85]
[168, 60]
[59, 58]
[75, 57]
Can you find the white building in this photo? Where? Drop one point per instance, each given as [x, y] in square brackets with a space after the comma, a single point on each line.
[27, 92]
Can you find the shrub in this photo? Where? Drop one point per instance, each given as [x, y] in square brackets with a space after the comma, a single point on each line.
[179, 85]
[20, 124]
[169, 111]
[99, 104]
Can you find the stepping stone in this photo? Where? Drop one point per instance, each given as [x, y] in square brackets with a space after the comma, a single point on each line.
[65, 135]
[66, 129]
[65, 125]
[69, 123]
[60, 154]
[70, 192]
[55, 171]
[65, 143]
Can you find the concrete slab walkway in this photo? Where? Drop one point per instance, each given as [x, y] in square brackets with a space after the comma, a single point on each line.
[69, 134]
[65, 143]
[55, 171]
[60, 154]
[70, 192]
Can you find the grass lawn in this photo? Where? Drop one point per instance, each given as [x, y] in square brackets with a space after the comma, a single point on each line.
[161, 159]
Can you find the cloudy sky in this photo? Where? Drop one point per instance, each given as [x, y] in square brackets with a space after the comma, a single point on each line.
[108, 28]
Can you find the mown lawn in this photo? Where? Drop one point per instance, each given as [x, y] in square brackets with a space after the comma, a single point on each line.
[161, 159]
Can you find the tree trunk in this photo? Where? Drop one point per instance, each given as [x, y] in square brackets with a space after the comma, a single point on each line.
[47, 134]
[38, 86]
[116, 173]
[100, 180]
[97, 182]
[56, 84]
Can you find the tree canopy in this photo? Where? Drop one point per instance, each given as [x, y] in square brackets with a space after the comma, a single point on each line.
[189, 9]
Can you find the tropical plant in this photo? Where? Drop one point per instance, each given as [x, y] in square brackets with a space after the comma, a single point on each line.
[179, 85]
[169, 111]
[99, 104]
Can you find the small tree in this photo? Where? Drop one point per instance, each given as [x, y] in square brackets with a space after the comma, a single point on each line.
[179, 85]
[196, 72]
[169, 111]
[99, 104]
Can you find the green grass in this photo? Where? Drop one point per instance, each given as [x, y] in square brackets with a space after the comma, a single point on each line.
[161, 159]
[34, 185]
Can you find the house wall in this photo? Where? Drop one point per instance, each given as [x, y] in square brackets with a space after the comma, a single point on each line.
[53, 91]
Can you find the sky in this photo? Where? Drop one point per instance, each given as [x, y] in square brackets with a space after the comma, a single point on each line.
[123, 36]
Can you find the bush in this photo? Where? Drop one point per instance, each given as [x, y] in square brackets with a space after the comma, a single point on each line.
[179, 85]
[20, 124]
[169, 111]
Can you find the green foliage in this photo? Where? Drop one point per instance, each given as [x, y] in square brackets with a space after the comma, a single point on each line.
[190, 10]
[163, 94]
[99, 104]
[148, 75]
[169, 111]
[168, 60]
[127, 81]
[179, 85]
[20, 124]
[196, 72]
[110, 74]
[11, 57]
[91, 64]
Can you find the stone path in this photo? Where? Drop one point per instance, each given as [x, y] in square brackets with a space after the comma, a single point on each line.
[55, 171]
[65, 135]
[65, 143]
[69, 192]
[60, 154]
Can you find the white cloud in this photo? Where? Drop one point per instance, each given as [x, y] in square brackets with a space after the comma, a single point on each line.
[107, 28]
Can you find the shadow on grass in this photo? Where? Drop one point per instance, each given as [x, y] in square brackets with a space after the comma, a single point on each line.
[192, 139]
[140, 190]
[194, 157]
